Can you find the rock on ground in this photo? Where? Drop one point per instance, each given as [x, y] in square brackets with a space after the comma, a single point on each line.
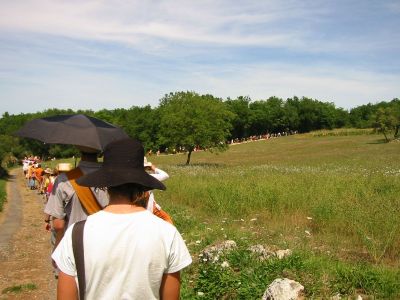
[212, 253]
[261, 252]
[283, 289]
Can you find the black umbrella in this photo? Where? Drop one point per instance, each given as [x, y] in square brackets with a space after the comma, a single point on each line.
[79, 130]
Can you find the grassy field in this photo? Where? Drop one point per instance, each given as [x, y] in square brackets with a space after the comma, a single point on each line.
[334, 200]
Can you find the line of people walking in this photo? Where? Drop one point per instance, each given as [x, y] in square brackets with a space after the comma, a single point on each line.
[69, 202]
[38, 178]
[109, 242]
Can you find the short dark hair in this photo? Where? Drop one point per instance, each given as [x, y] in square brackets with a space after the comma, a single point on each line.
[136, 193]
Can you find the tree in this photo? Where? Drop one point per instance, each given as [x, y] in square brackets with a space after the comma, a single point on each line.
[386, 121]
[140, 123]
[362, 116]
[268, 116]
[241, 119]
[260, 123]
[189, 120]
[395, 104]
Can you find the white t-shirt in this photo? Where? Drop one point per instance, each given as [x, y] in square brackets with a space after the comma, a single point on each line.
[126, 255]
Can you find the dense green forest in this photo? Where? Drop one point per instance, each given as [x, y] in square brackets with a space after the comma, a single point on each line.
[187, 120]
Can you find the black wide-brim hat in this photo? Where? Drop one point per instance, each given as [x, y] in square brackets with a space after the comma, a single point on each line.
[123, 163]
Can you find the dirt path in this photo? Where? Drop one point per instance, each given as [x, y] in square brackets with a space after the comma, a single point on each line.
[24, 245]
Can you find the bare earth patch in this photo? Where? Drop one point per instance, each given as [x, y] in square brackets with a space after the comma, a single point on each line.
[25, 268]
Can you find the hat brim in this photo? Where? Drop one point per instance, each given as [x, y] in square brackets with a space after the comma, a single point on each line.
[106, 177]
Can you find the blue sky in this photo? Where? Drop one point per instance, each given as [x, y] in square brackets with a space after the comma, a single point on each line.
[118, 54]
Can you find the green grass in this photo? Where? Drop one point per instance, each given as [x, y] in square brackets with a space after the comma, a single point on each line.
[19, 288]
[343, 190]
[323, 277]
[340, 188]
[3, 195]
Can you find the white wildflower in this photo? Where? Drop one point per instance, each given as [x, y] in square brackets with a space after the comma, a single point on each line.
[225, 264]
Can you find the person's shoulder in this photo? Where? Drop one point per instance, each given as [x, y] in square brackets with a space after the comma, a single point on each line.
[161, 224]
[97, 215]
[61, 182]
[61, 178]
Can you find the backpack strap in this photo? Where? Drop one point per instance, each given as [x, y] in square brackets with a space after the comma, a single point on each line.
[79, 256]
[85, 194]
[162, 214]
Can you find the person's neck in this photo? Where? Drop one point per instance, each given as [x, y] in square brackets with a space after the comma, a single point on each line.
[122, 207]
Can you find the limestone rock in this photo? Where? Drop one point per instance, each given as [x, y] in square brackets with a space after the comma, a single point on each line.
[283, 289]
[283, 253]
[262, 252]
[212, 253]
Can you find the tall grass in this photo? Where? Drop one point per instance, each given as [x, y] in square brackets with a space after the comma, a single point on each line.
[335, 197]
[342, 132]
[334, 200]
[3, 195]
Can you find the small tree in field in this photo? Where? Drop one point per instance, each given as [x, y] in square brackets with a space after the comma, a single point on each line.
[386, 121]
[189, 120]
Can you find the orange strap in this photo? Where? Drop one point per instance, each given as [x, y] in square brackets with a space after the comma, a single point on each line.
[85, 194]
[162, 214]
[158, 211]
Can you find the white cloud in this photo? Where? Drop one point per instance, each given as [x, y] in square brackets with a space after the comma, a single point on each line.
[65, 88]
[346, 88]
[134, 22]
[123, 53]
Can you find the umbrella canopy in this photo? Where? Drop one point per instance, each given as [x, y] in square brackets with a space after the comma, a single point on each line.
[78, 130]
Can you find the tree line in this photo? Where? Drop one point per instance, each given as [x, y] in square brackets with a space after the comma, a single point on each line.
[187, 120]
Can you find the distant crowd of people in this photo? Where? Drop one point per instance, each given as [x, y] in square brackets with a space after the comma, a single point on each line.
[252, 138]
[265, 136]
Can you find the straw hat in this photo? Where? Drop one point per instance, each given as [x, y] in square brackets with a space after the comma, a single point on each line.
[48, 171]
[64, 167]
[123, 163]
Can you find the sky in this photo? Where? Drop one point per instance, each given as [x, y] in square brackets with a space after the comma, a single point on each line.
[121, 53]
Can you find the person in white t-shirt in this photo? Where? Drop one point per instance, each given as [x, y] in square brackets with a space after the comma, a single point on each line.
[129, 253]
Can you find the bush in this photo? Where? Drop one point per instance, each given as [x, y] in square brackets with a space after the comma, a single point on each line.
[342, 132]
[3, 173]
[3, 194]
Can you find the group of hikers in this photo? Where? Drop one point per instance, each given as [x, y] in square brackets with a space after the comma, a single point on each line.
[111, 238]
[34, 173]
